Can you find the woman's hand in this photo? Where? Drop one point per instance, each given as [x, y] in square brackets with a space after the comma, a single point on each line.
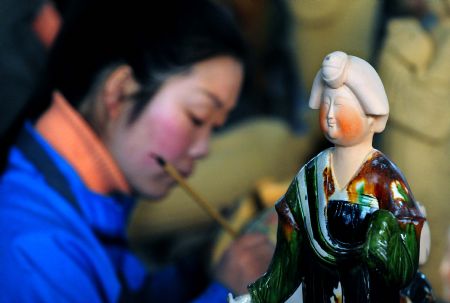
[246, 259]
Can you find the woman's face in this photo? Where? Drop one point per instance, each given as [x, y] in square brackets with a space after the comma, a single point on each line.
[176, 124]
[342, 118]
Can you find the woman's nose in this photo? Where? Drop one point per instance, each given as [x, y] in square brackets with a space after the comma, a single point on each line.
[200, 147]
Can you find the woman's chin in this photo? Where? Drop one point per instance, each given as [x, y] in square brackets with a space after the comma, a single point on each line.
[156, 193]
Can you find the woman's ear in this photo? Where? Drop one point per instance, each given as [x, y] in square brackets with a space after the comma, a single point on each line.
[118, 85]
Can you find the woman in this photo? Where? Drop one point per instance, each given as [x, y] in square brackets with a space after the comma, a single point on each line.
[129, 81]
[348, 224]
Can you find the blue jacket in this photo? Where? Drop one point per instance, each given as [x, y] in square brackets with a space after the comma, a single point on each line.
[55, 251]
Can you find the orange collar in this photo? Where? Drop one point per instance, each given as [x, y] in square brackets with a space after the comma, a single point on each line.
[73, 139]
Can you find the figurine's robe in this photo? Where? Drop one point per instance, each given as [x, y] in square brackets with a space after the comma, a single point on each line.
[359, 243]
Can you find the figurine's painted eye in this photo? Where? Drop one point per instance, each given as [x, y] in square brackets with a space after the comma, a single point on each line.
[339, 101]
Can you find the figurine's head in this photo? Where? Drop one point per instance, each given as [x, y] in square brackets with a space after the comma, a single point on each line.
[351, 97]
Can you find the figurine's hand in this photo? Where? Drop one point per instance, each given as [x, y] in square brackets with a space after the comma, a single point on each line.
[244, 261]
[240, 299]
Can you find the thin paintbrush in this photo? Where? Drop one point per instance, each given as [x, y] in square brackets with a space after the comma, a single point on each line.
[173, 172]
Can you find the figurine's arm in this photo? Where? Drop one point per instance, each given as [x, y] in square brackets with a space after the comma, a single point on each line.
[391, 250]
[393, 239]
[283, 276]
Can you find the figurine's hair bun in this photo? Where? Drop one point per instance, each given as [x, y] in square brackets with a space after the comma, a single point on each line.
[334, 69]
[360, 77]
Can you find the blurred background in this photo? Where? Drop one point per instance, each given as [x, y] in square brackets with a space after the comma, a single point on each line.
[272, 133]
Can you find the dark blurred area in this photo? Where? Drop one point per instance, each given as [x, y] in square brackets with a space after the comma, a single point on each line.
[271, 87]
[27, 31]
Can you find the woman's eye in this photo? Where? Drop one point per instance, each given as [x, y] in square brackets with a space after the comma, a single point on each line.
[197, 121]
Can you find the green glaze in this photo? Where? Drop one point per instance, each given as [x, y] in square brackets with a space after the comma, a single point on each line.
[287, 256]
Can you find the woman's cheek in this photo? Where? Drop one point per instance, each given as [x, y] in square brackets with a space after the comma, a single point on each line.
[172, 137]
[350, 124]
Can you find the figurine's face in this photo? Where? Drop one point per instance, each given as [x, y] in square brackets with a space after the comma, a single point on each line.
[342, 118]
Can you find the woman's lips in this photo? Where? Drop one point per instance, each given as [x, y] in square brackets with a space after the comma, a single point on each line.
[171, 181]
[185, 173]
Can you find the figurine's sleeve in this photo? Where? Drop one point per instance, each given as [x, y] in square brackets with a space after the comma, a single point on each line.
[390, 250]
[392, 245]
[283, 276]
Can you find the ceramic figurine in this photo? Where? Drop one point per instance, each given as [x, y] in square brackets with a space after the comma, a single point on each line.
[349, 227]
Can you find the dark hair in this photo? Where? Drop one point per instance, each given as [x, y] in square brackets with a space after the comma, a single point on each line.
[156, 38]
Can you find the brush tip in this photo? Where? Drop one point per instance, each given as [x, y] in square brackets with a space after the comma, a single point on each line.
[158, 159]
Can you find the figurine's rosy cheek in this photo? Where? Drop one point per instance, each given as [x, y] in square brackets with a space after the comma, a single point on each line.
[350, 123]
